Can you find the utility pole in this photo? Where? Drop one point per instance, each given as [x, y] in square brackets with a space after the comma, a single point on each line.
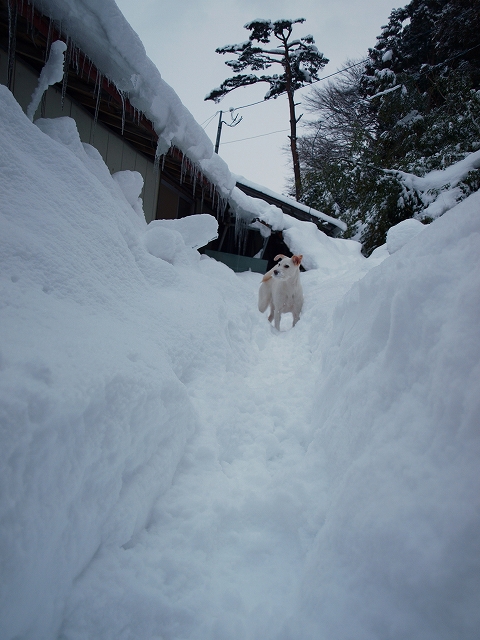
[219, 132]
[221, 122]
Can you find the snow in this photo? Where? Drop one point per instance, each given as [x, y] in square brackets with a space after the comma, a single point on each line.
[131, 184]
[439, 190]
[387, 56]
[172, 467]
[401, 233]
[196, 231]
[51, 73]
[103, 34]
[291, 202]
[384, 93]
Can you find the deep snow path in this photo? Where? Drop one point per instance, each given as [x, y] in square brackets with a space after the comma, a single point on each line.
[226, 544]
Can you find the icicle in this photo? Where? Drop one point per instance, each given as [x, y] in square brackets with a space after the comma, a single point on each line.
[212, 191]
[65, 71]
[241, 226]
[137, 115]
[30, 19]
[49, 40]
[161, 150]
[76, 60]
[122, 97]
[182, 169]
[123, 111]
[12, 41]
[98, 91]
[194, 181]
[223, 206]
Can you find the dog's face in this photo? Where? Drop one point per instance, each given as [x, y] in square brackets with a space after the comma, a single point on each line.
[286, 267]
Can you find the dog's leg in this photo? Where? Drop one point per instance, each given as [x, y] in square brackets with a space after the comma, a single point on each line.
[277, 316]
[272, 312]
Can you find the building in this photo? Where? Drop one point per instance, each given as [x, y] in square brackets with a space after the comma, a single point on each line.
[175, 185]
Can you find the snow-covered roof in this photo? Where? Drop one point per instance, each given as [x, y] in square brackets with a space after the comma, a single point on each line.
[290, 202]
[101, 32]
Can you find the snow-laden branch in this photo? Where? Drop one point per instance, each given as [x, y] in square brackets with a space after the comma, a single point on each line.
[384, 93]
[439, 190]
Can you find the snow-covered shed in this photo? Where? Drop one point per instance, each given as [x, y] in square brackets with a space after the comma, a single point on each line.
[329, 225]
[123, 107]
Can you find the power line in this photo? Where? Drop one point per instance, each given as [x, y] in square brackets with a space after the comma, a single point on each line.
[209, 120]
[232, 109]
[336, 73]
[259, 136]
[356, 64]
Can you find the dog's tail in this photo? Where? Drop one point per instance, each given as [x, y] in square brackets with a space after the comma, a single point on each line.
[263, 298]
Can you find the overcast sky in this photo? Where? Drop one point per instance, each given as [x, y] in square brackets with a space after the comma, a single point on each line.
[181, 36]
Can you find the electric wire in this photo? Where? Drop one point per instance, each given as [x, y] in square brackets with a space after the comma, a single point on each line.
[261, 135]
[209, 120]
[356, 64]
[336, 73]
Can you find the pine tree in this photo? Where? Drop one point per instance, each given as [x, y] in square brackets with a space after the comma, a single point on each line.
[301, 62]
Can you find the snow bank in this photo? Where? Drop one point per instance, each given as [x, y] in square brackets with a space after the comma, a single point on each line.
[396, 553]
[319, 250]
[401, 233]
[98, 339]
[196, 231]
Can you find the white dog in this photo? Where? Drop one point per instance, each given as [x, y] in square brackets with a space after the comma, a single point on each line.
[281, 289]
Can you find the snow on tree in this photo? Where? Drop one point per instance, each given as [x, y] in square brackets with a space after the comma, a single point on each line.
[301, 61]
[414, 110]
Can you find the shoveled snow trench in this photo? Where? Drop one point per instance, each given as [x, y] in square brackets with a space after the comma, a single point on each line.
[225, 548]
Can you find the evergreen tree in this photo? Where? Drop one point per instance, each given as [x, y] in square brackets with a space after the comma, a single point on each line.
[300, 59]
[419, 100]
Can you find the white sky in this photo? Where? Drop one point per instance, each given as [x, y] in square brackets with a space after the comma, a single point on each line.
[181, 36]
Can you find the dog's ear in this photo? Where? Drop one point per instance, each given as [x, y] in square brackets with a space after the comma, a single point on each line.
[279, 257]
[297, 260]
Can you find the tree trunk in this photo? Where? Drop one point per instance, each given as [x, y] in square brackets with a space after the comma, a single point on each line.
[294, 149]
[293, 130]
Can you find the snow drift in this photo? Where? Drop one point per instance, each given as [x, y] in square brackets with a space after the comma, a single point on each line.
[398, 438]
[98, 337]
